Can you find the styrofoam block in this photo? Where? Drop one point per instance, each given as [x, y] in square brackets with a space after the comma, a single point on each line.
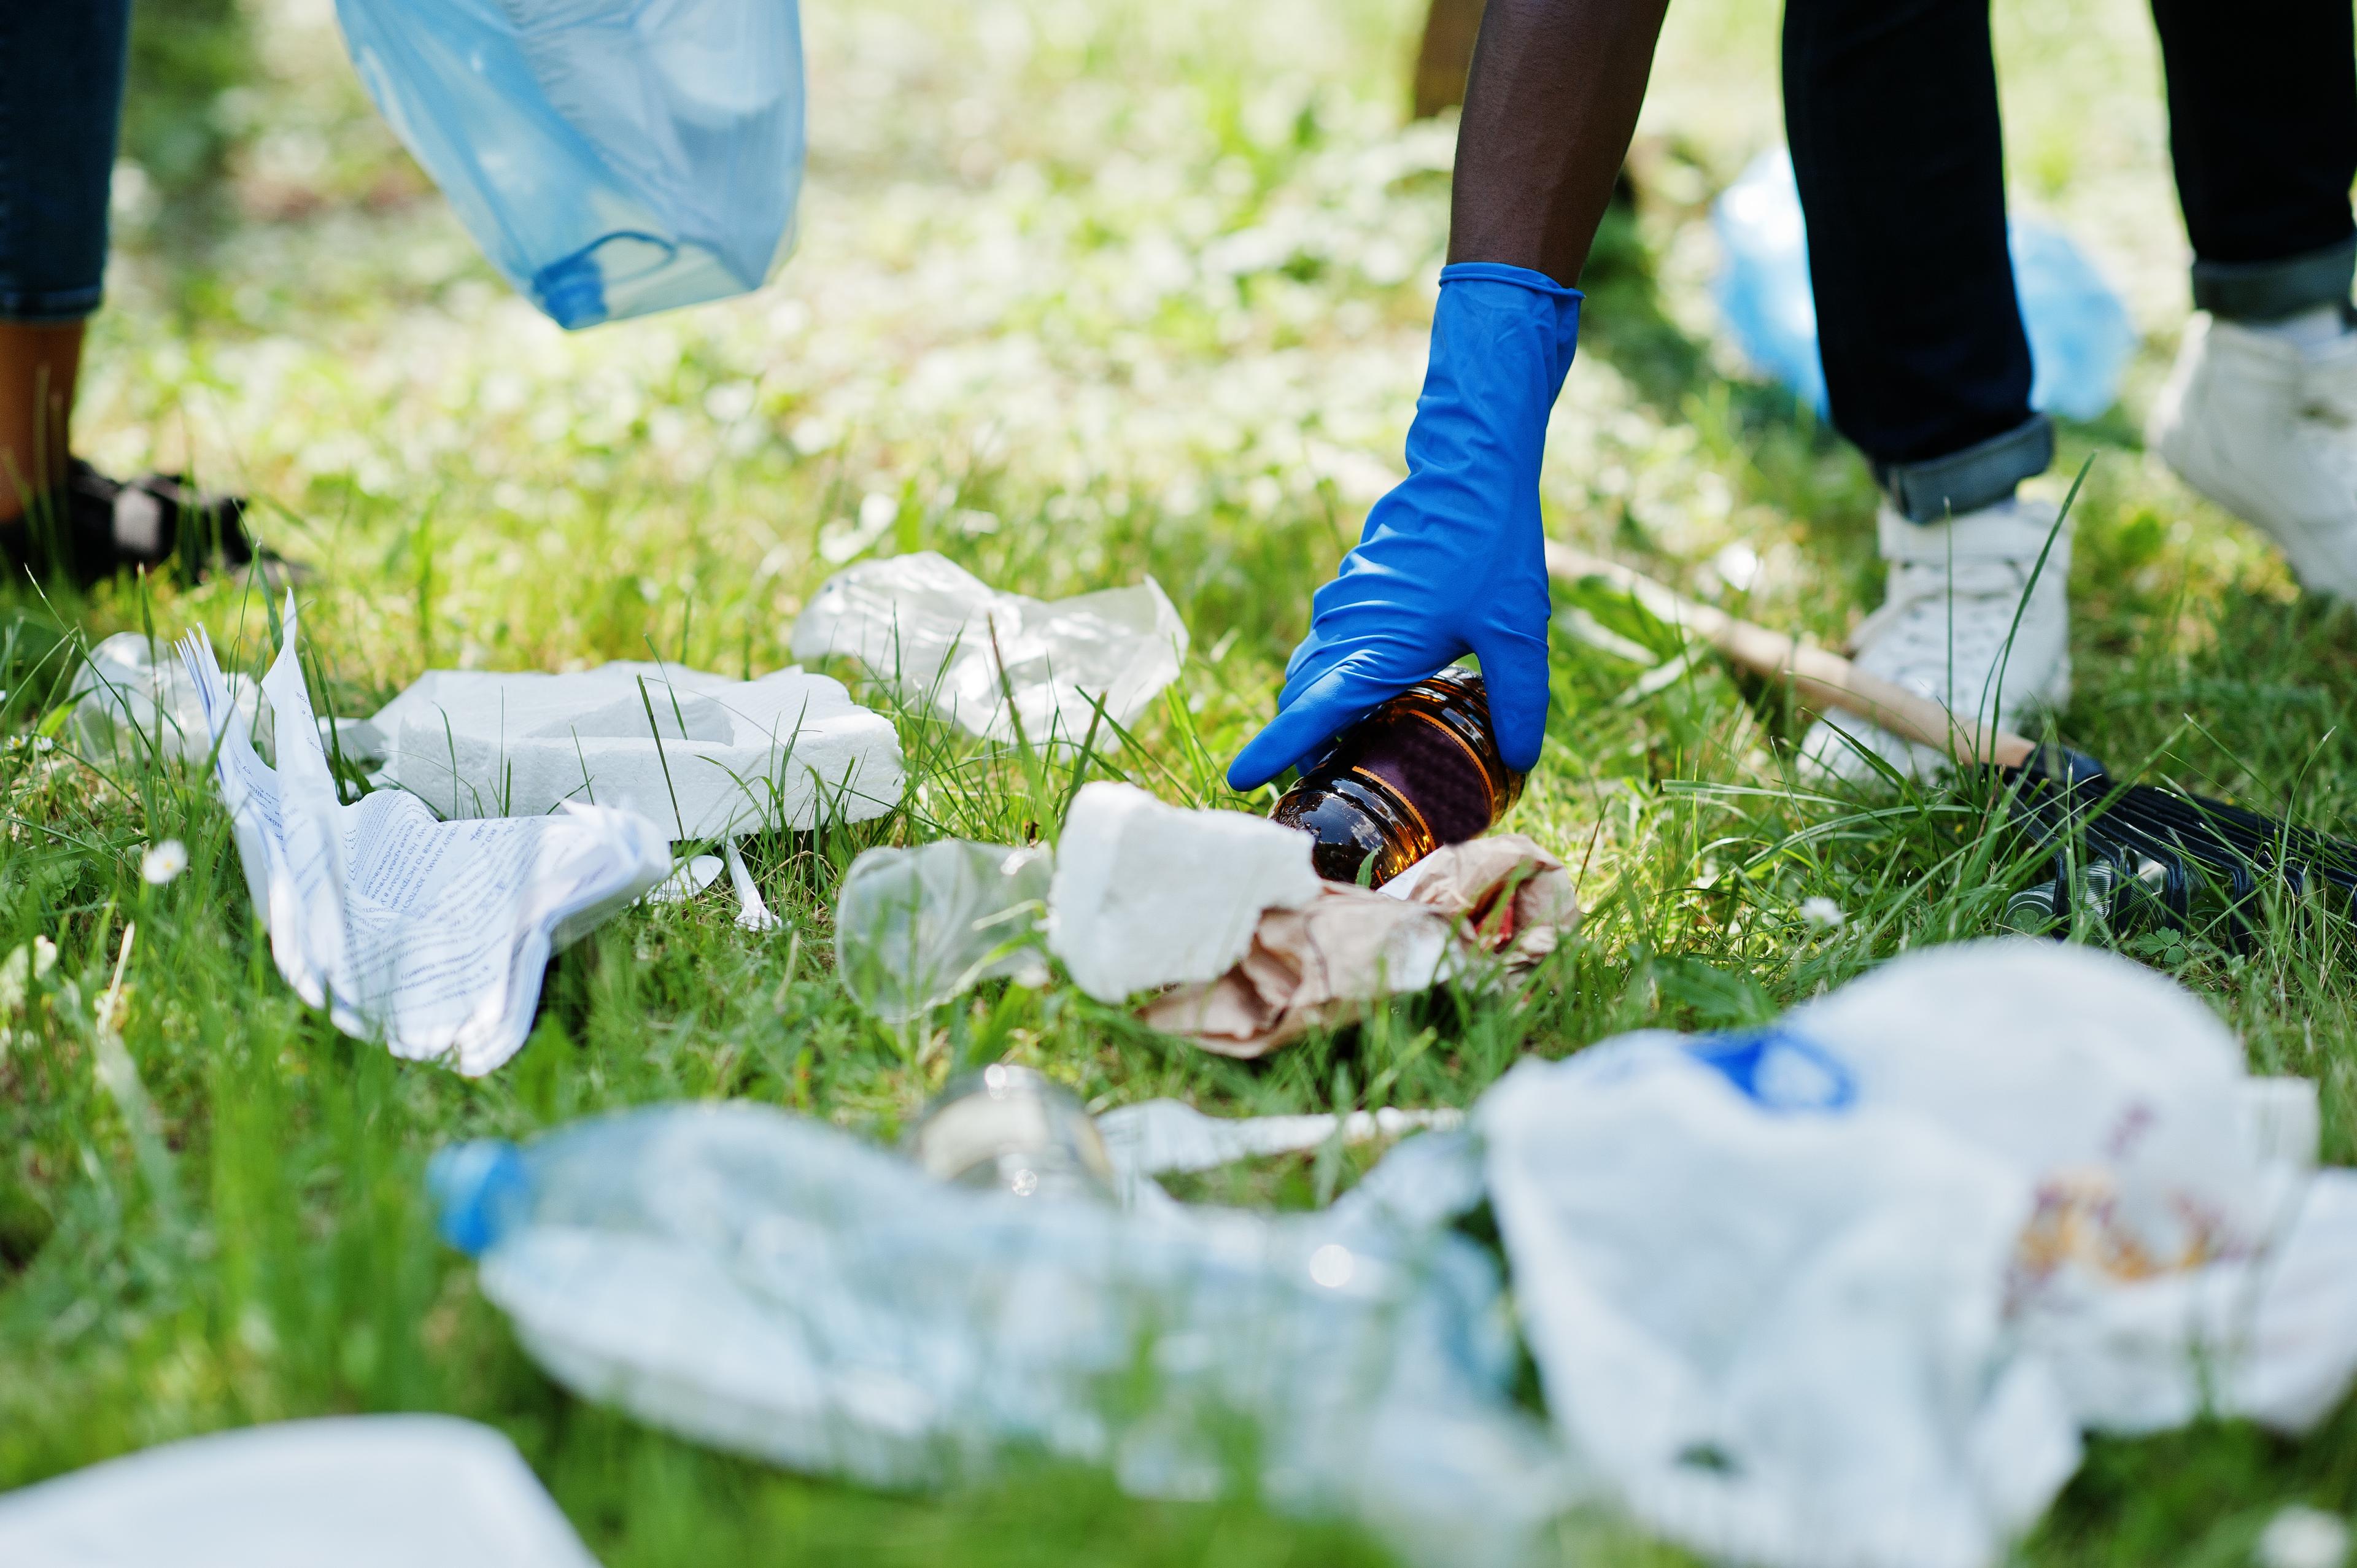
[789, 749]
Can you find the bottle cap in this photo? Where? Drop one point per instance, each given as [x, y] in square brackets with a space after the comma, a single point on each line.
[478, 1189]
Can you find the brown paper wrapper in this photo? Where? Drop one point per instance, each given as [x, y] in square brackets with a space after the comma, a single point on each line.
[1320, 965]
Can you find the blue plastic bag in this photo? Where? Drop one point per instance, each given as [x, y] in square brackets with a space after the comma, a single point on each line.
[2080, 335]
[612, 157]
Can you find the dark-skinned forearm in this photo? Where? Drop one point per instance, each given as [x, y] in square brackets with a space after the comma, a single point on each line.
[1549, 108]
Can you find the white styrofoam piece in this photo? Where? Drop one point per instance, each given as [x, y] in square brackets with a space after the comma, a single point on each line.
[1147, 894]
[788, 749]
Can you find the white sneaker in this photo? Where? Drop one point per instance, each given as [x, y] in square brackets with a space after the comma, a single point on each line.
[2269, 430]
[1947, 629]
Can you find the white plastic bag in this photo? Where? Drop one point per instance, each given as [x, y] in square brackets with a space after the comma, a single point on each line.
[377, 1491]
[1844, 1291]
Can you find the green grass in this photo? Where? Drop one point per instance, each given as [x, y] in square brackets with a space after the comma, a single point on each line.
[1085, 293]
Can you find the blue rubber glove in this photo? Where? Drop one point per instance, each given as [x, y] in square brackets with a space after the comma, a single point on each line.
[1452, 561]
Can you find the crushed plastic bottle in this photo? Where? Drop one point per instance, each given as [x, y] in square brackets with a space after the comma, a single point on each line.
[612, 157]
[2080, 335]
[775, 1286]
[946, 639]
[914, 927]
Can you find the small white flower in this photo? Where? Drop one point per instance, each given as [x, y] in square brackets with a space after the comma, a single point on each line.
[23, 966]
[2300, 1537]
[1821, 914]
[164, 861]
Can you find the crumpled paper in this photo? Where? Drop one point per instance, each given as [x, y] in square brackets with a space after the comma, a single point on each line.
[431, 936]
[1319, 965]
[945, 637]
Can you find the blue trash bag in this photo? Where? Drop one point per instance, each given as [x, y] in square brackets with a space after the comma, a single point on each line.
[2080, 335]
[612, 157]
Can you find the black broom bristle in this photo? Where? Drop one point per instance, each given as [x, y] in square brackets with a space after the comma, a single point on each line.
[2147, 857]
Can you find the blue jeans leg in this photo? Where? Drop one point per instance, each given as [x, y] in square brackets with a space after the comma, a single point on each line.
[61, 64]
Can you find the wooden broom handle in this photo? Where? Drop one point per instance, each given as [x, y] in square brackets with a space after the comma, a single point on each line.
[1824, 679]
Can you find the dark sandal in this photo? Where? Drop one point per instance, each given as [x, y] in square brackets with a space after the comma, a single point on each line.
[94, 527]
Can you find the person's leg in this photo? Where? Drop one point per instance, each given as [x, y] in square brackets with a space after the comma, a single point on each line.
[62, 68]
[1891, 109]
[40, 363]
[2263, 130]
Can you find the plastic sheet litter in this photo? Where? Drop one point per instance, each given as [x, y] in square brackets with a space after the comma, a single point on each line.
[1147, 894]
[2080, 335]
[914, 927]
[1844, 1290]
[702, 755]
[371, 1491]
[611, 157]
[1158, 1137]
[1320, 964]
[432, 936]
[772, 1285]
[947, 639]
[129, 704]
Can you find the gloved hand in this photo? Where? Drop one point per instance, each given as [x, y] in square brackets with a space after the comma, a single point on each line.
[1452, 561]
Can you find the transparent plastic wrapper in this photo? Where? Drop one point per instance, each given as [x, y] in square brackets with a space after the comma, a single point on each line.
[914, 927]
[772, 1285]
[368, 1491]
[611, 157]
[122, 693]
[2080, 335]
[947, 639]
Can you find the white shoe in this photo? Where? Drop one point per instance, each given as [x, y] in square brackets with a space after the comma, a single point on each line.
[2269, 430]
[1948, 628]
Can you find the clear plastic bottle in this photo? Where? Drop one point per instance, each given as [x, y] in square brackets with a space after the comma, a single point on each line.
[1421, 771]
[774, 1285]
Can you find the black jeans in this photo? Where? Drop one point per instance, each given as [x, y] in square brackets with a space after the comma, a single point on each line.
[1891, 109]
[61, 92]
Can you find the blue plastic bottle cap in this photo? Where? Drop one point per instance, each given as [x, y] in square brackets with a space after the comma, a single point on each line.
[478, 1188]
[573, 291]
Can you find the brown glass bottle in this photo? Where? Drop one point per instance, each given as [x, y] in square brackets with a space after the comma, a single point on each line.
[1421, 771]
